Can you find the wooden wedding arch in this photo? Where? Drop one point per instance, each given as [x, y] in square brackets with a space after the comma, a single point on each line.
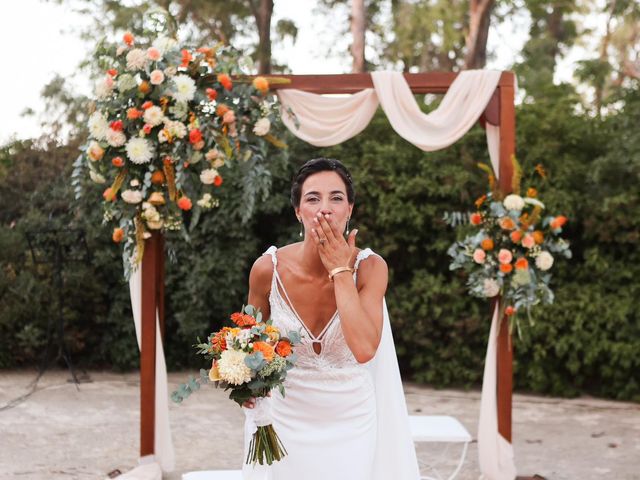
[500, 111]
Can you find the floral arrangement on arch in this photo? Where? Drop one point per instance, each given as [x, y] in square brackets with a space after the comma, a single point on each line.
[510, 246]
[166, 122]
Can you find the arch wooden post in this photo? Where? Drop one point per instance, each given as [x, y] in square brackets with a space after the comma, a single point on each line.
[152, 305]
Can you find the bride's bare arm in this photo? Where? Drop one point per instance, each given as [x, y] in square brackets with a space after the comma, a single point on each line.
[360, 311]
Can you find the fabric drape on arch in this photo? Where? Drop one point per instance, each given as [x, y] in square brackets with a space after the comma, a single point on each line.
[324, 121]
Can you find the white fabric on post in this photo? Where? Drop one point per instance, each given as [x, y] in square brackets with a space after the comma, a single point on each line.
[325, 121]
[495, 453]
[459, 110]
[163, 445]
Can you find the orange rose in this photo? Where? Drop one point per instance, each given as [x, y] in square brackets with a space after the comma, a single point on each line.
[509, 311]
[117, 161]
[532, 192]
[515, 236]
[487, 244]
[475, 219]
[507, 223]
[558, 222]
[128, 38]
[144, 87]
[225, 81]
[147, 104]
[195, 135]
[522, 263]
[266, 349]
[283, 348]
[134, 113]
[212, 94]
[184, 203]
[217, 181]
[261, 84]
[538, 237]
[221, 110]
[118, 235]
[157, 178]
[506, 267]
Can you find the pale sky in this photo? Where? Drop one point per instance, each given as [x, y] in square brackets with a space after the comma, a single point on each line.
[36, 41]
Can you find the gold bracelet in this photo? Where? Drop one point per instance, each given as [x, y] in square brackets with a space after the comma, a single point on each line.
[338, 270]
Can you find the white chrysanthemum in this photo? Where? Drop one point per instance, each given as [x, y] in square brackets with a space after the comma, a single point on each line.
[153, 115]
[164, 44]
[136, 59]
[262, 127]
[544, 261]
[98, 126]
[185, 88]
[116, 138]
[208, 176]
[139, 150]
[491, 287]
[96, 177]
[132, 196]
[513, 202]
[126, 82]
[176, 129]
[104, 87]
[232, 368]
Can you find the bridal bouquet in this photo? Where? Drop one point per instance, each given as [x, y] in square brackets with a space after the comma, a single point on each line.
[510, 247]
[167, 120]
[249, 359]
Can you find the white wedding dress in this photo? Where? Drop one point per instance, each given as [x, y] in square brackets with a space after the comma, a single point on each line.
[339, 419]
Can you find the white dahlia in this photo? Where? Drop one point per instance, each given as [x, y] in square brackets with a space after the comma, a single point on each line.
[262, 127]
[513, 202]
[491, 287]
[232, 368]
[136, 59]
[208, 176]
[185, 88]
[132, 196]
[176, 129]
[116, 138]
[153, 115]
[544, 261]
[98, 126]
[139, 150]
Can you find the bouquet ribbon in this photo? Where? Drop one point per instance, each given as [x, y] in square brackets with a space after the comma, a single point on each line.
[258, 416]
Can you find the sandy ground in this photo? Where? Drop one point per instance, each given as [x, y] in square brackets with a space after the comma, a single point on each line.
[61, 432]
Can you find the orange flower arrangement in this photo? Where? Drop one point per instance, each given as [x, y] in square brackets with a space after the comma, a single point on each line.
[538, 237]
[522, 263]
[261, 84]
[184, 203]
[516, 236]
[506, 267]
[487, 244]
[225, 81]
[118, 235]
[243, 320]
[283, 348]
[507, 223]
[558, 222]
[475, 219]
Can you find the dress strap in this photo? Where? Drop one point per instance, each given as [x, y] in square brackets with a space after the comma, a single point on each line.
[272, 251]
[363, 254]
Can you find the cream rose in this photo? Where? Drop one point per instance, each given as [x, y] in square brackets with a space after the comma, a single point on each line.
[491, 288]
[262, 127]
[544, 261]
[505, 256]
[132, 196]
[156, 77]
[513, 202]
[208, 176]
[479, 255]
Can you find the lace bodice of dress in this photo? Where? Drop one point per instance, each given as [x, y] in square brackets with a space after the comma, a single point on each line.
[334, 352]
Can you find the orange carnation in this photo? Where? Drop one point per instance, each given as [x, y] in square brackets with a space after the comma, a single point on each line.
[509, 310]
[134, 113]
[147, 104]
[243, 320]
[475, 219]
[515, 236]
[212, 94]
[507, 223]
[186, 58]
[157, 178]
[266, 349]
[225, 81]
[184, 203]
[217, 181]
[506, 267]
[283, 348]
[522, 263]
[218, 342]
[538, 237]
[487, 244]
[118, 235]
[117, 161]
[558, 222]
[195, 135]
[532, 192]
[261, 84]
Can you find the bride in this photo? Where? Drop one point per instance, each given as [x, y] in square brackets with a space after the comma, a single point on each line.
[343, 416]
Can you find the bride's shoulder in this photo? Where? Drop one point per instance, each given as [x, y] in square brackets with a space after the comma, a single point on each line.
[262, 270]
[370, 264]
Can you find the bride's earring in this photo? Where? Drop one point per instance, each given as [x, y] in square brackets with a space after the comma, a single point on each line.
[301, 228]
[347, 231]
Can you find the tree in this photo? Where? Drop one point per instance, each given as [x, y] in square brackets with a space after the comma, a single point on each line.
[358, 29]
[476, 41]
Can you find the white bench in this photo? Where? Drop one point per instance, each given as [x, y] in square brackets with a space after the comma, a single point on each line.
[439, 428]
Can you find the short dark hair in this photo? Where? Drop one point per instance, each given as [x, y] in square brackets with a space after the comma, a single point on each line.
[316, 165]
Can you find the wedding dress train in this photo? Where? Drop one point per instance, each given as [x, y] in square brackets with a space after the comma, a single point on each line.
[339, 419]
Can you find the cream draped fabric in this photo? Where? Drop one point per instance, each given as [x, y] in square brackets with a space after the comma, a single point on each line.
[325, 121]
[163, 445]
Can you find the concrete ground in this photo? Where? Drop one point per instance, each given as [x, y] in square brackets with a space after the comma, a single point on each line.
[60, 432]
